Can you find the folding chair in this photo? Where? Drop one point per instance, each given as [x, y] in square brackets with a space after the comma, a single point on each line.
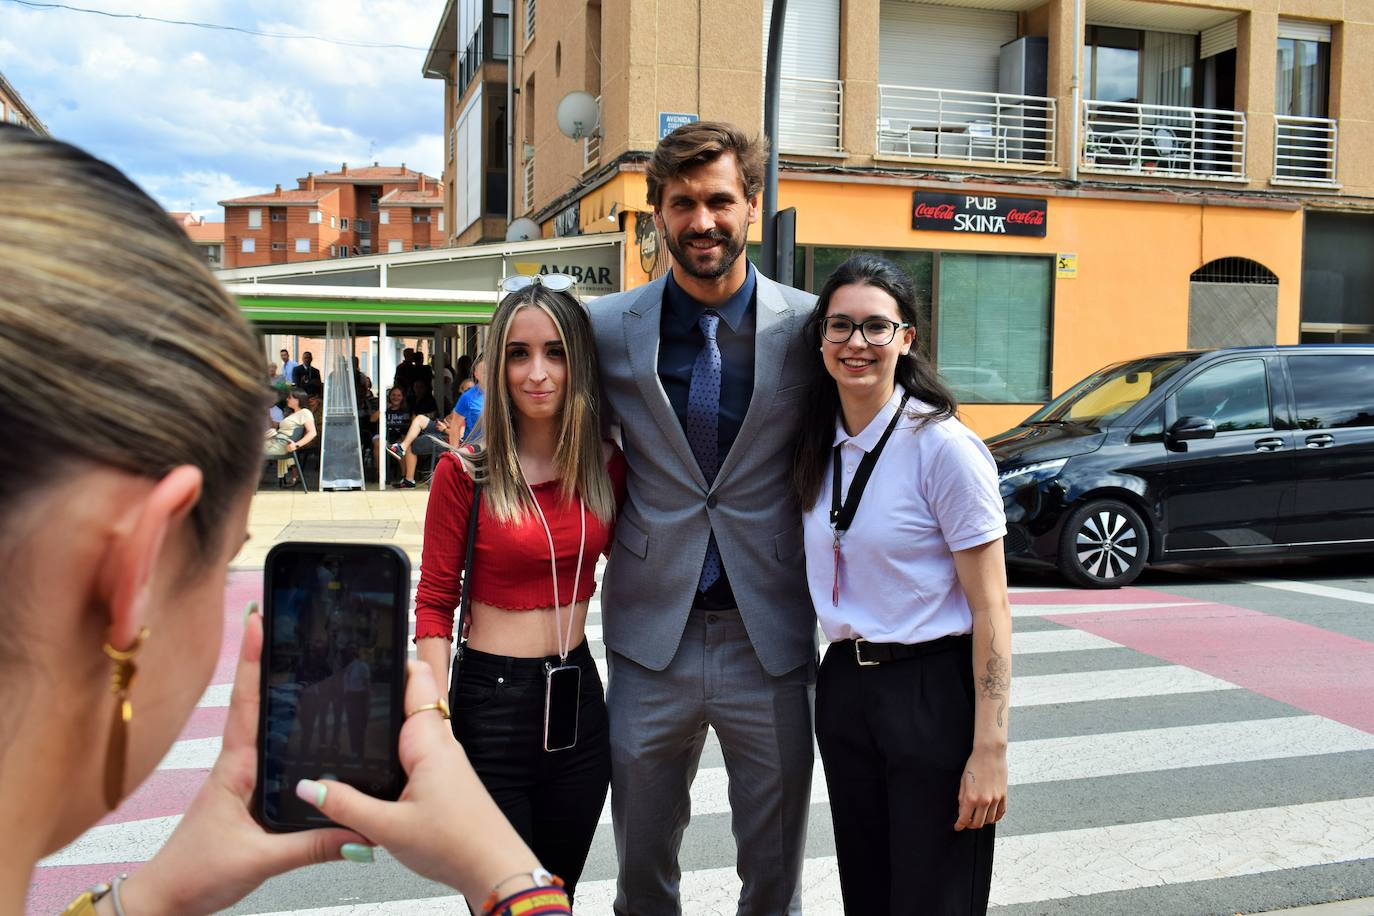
[296, 436]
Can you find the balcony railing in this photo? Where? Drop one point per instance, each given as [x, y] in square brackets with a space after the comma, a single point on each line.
[922, 122]
[1304, 150]
[591, 144]
[529, 182]
[1164, 141]
[810, 112]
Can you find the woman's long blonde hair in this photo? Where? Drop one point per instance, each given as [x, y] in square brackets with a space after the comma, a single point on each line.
[579, 459]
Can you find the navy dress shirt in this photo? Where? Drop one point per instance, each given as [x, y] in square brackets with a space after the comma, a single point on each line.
[680, 342]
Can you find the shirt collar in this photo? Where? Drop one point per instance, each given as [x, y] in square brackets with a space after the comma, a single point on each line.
[685, 310]
[868, 437]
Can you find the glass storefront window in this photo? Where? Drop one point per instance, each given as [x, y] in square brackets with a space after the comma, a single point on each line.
[993, 341]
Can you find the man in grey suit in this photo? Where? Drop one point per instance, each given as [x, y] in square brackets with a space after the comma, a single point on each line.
[706, 614]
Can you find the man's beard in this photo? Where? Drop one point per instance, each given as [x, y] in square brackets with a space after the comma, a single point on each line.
[730, 250]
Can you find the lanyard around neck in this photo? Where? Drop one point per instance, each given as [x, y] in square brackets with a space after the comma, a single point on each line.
[564, 639]
[842, 513]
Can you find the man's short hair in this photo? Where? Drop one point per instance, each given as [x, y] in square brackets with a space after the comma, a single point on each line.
[701, 143]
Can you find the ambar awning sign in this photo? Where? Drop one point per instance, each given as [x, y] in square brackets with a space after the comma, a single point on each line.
[979, 213]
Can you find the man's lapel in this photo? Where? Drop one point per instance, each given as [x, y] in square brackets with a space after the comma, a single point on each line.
[772, 318]
[641, 321]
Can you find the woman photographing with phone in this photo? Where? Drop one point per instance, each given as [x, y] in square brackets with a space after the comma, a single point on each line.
[903, 526]
[526, 697]
[111, 622]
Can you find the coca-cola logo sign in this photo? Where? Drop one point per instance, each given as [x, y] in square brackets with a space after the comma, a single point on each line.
[981, 213]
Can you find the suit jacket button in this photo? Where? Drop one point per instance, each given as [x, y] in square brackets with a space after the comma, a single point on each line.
[711, 501]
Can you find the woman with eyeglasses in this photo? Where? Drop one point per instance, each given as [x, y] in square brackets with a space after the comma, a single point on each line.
[546, 488]
[903, 528]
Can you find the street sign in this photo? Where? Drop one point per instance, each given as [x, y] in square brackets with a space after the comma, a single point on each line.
[669, 121]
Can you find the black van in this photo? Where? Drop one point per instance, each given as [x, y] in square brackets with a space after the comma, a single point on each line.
[1196, 455]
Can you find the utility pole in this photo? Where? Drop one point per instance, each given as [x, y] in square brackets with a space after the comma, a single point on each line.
[772, 79]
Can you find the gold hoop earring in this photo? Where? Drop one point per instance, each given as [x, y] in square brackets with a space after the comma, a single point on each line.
[116, 752]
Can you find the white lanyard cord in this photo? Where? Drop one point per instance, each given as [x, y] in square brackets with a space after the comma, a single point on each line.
[564, 640]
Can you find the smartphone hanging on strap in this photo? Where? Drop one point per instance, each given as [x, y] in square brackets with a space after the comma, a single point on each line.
[562, 682]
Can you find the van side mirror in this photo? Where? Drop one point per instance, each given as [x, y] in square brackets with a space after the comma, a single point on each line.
[1186, 429]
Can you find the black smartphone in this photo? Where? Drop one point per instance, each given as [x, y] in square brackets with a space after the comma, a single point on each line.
[336, 620]
[562, 696]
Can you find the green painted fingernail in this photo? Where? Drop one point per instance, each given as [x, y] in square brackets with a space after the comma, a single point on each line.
[249, 611]
[311, 792]
[356, 852]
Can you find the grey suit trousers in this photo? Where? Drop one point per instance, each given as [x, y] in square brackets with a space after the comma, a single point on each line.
[658, 722]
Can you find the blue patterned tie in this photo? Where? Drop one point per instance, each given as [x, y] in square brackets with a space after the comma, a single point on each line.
[703, 427]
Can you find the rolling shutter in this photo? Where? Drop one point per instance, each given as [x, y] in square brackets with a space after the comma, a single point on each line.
[1303, 30]
[941, 47]
[1218, 39]
[812, 45]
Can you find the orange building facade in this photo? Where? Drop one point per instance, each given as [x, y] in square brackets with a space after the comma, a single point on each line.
[371, 210]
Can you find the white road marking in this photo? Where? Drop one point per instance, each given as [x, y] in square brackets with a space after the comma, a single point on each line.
[1119, 684]
[1313, 589]
[1045, 610]
[1058, 641]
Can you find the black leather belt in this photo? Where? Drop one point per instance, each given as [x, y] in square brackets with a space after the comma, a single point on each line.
[876, 653]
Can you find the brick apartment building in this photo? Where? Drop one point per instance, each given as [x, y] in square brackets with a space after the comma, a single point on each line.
[14, 110]
[371, 210]
[209, 237]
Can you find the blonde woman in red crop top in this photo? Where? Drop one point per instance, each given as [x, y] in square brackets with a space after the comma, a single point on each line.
[549, 491]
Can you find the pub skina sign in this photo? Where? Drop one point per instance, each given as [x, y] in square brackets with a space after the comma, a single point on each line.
[978, 213]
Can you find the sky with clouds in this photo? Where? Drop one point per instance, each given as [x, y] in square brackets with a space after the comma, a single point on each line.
[198, 116]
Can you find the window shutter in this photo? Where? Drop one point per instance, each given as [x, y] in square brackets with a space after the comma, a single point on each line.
[1218, 39]
[941, 47]
[1303, 30]
[812, 46]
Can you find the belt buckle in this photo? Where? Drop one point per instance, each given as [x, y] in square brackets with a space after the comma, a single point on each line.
[859, 654]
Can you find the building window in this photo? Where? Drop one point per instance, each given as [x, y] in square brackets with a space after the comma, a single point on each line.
[302, 246]
[254, 219]
[248, 246]
[529, 20]
[372, 201]
[992, 337]
[452, 140]
[441, 220]
[421, 217]
[278, 246]
[278, 216]
[331, 251]
[394, 246]
[385, 218]
[343, 223]
[420, 248]
[333, 223]
[315, 216]
[1303, 70]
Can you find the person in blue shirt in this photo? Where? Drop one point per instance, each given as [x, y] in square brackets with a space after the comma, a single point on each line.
[469, 405]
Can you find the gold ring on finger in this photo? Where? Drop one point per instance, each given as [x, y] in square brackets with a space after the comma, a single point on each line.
[440, 704]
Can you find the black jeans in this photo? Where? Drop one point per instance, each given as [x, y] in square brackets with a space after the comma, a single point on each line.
[553, 798]
[894, 739]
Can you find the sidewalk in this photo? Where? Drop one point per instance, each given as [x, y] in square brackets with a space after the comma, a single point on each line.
[394, 517]
[1364, 907]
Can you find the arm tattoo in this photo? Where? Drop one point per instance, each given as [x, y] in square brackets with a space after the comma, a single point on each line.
[996, 683]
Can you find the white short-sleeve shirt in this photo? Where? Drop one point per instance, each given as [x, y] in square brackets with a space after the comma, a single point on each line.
[932, 492]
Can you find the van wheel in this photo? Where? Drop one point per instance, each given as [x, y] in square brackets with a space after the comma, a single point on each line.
[1104, 544]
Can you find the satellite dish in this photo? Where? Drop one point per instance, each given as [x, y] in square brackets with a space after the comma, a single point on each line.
[579, 115]
[522, 230]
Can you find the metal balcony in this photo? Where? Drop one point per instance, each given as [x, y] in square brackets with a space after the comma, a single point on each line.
[924, 122]
[1304, 150]
[1163, 141]
[810, 114]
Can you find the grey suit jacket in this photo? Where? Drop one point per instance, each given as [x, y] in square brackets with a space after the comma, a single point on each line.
[662, 531]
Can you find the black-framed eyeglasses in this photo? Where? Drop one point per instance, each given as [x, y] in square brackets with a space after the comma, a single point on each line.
[558, 283]
[878, 332]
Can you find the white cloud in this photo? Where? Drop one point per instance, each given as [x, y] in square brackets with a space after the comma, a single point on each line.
[199, 116]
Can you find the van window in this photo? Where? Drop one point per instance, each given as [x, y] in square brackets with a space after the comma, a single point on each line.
[1333, 391]
[1234, 395]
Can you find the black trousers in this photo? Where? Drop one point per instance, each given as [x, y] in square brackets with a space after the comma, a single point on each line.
[894, 739]
[553, 798]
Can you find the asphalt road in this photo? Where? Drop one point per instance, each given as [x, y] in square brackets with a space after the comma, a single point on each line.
[1201, 743]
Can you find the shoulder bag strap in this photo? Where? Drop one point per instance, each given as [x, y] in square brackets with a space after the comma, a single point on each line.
[460, 629]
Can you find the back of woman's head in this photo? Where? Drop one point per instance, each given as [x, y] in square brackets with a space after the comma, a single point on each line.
[106, 306]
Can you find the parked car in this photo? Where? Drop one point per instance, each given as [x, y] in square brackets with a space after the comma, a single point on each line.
[1194, 456]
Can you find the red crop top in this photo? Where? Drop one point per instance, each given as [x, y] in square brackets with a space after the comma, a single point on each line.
[510, 562]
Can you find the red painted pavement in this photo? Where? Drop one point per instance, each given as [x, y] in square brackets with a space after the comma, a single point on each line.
[51, 889]
[1325, 673]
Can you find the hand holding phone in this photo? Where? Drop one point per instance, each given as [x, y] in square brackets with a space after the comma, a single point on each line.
[336, 620]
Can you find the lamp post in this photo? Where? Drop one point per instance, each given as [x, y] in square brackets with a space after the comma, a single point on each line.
[772, 79]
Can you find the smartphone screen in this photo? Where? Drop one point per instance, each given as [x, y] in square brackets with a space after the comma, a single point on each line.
[563, 689]
[335, 625]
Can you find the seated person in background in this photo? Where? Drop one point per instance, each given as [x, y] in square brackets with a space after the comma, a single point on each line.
[469, 406]
[424, 438]
[421, 399]
[397, 421]
[280, 440]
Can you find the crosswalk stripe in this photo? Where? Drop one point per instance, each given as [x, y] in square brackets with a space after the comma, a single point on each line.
[1058, 641]
[1118, 684]
[1046, 610]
